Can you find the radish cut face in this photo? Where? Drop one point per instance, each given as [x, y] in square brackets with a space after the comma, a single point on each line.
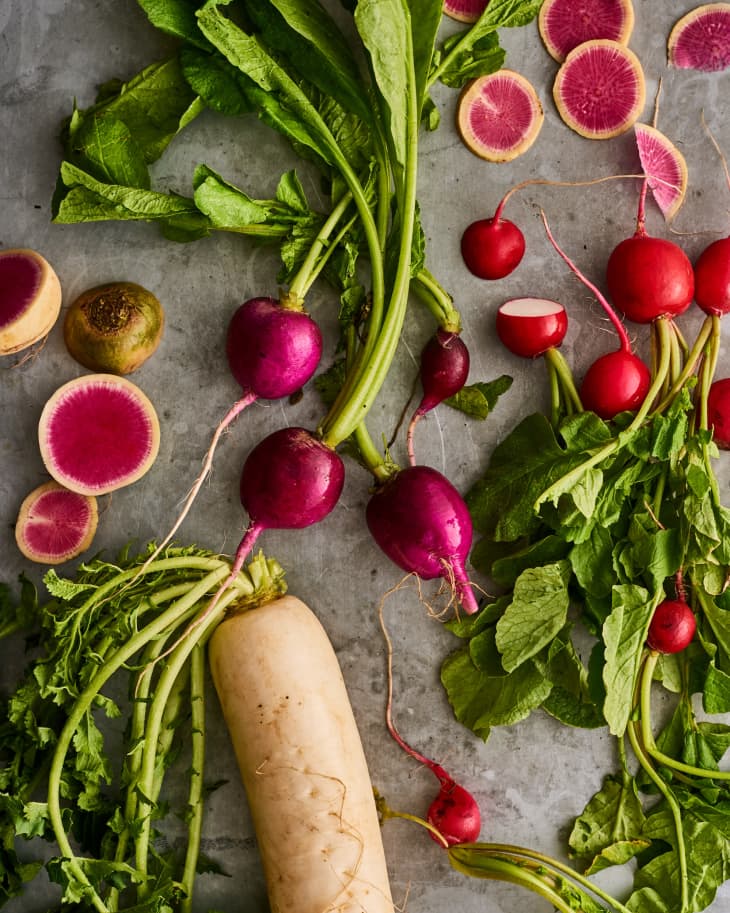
[465, 10]
[528, 327]
[665, 168]
[564, 24]
[701, 39]
[98, 433]
[55, 524]
[599, 90]
[30, 299]
[499, 116]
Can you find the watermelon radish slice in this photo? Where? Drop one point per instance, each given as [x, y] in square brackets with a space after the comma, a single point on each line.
[98, 433]
[665, 168]
[54, 524]
[499, 115]
[30, 299]
[465, 10]
[700, 40]
[564, 24]
[599, 89]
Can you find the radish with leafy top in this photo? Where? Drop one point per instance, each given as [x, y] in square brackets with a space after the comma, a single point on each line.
[30, 299]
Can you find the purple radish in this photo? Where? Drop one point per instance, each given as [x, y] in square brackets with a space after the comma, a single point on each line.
[55, 524]
[492, 248]
[444, 370]
[422, 524]
[672, 627]
[30, 299]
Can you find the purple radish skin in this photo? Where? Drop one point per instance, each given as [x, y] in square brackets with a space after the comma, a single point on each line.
[422, 524]
[444, 370]
[55, 524]
[672, 627]
[30, 299]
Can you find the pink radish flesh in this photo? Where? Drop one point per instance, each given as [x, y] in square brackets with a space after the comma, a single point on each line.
[614, 383]
[649, 278]
[30, 299]
[272, 350]
[492, 248]
[564, 24]
[712, 278]
[528, 327]
[718, 412]
[423, 525]
[98, 433]
[672, 627]
[55, 524]
[700, 40]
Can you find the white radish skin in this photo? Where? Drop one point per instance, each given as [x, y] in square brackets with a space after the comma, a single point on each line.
[301, 761]
[30, 299]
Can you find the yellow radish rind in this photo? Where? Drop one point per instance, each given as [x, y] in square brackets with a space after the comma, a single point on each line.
[686, 24]
[525, 134]
[624, 9]
[630, 63]
[668, 198]
[36, 321]
[32, 515]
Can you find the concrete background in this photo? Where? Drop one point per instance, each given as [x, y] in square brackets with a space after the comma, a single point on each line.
[531, 779]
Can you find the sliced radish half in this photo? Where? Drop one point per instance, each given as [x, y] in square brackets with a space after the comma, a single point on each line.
[30, 299]
[465, 10]
[701, 39]
[55, 524]
[98, 433]
[530, 326]
[564, 24]
[499, 115]
[599, 89]
[665, 168]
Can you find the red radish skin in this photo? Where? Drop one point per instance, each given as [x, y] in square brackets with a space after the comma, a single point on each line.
[528, 327]
[672, 627]
[98, 433]
[492, 248]
[55, 524]
[422, 524]
[616, 382]
[718, 412]
[564, 24]
[712, 278]
[30, 299]
[665, 168]
[444, 371]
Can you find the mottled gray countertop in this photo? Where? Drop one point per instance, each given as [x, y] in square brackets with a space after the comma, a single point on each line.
[532, 778]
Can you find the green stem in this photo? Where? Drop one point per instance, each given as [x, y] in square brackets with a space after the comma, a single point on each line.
[438, 300]
[565, 377]
[197, 765]
[690, 365]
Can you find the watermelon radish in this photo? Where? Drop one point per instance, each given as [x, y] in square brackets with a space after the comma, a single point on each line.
[564, 24]
[55, 524]
[98, 433]
[30, 299]
[499, 115]
[599, 89]
[465, 10]
[700, 40]
[665, 168]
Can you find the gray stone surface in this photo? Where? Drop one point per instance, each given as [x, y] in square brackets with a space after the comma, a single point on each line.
[530, 779]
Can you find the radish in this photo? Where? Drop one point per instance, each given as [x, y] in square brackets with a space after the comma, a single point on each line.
[55, 524]
[564, 24]
[700, 40]
[529, 327]
[98, 433]
[672, 627]
[492, 248]
[30, 299]
[444, 370]
[718, 412]
[114, 328]
[422, 524]
[301, 760]
[465, 10]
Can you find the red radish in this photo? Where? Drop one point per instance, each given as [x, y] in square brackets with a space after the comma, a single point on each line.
[422, 524]
[718, 412]
[665, 168]
[465, 10]
[599, 89]
[712, 278]
[55, 524]
[98, 433]
[492, 248]
[499, 115]
[444, 370]
[528, 327]
[672, 627]
[30, 299]
[700, 40]
[564, 24]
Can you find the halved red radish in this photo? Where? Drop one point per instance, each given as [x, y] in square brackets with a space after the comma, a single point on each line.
[665, 168]
[564, 24]
[700, 40]
[465, 10]
[98, 433]
[55, 524]
[528, 327]
[30, 299]
[599, 89]
[499, 115]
